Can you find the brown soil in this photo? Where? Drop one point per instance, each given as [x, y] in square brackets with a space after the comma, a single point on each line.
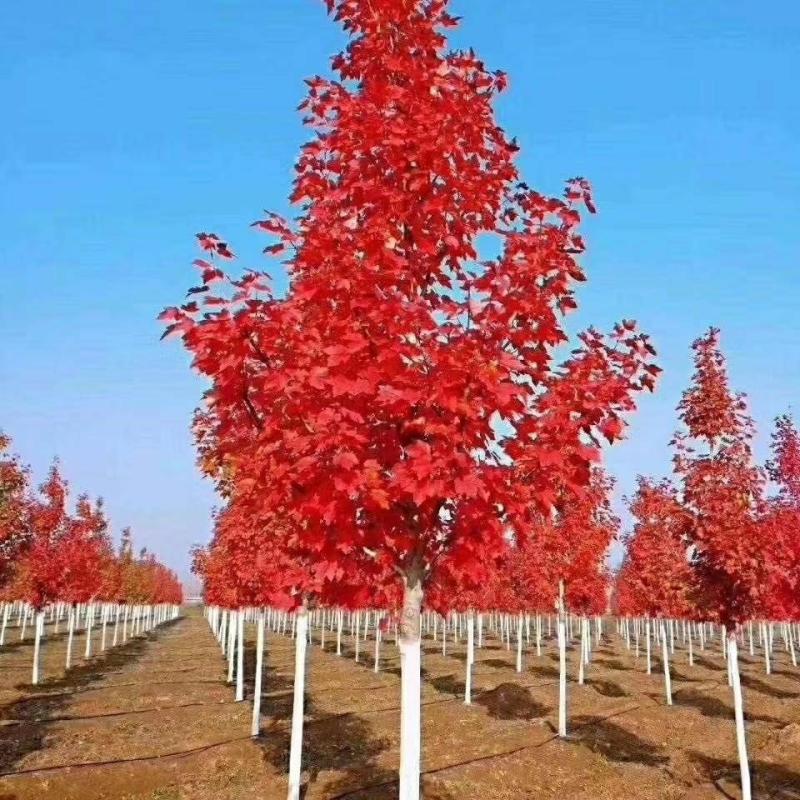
[154, 720]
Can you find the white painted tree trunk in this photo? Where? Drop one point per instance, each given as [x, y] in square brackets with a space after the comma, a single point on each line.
[231, 648]
[255, 727]
[582, 659]
[738, 706]
[6, 611]
[339, 623]
[519, 643]
[647, 636]
[37, 643]
[410, 669]
[561, 627]
[665, 658]
[116, 627]
[70, 635]
[377, 646]
[470, 658]
[89, 619]
[410, 719]
[296, 744]
[765, 640]
[240, 656]
[105, 622]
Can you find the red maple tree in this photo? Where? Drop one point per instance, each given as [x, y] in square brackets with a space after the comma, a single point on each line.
[658, 579]
[14, 508]
[722, 491]
[781, 523]
[364, 407]
[721, 488]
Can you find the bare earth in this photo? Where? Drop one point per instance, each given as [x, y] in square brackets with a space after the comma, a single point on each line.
[155, 720]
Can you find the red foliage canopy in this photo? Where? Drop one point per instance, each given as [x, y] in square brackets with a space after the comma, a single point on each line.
[657, 579]
[365, 408]
[721, 488]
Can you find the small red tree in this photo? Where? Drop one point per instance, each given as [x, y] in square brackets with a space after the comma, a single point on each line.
[657, 569]
[782, 524]
[14, 508]
[85, 553]
[40, 573]
[722, 492]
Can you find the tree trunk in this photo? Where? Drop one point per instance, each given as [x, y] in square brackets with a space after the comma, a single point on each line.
[37, 647]
[105, 622]
[70, 634]
[231, 647]
[255, 727]
[377, 645]
[296, 745]
[561, 626]
[87, 653]
[647, 636]
[116, 627]
[240, 656]
[741, 743]
[410, 664]
[519, 643]
[665, 658]
[470, 657]
[5, 623]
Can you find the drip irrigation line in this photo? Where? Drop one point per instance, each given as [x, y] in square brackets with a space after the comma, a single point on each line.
[113, 762]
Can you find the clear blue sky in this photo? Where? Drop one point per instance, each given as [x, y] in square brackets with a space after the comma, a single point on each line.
[129, 126]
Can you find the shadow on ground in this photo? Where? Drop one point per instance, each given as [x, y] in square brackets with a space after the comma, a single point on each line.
[29, 718]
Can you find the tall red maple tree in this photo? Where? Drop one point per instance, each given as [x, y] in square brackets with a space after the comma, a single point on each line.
[722, 491]
[721, 488]
[364, 407]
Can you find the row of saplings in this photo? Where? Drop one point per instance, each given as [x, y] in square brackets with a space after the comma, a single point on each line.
[103, 625]
[518, 631]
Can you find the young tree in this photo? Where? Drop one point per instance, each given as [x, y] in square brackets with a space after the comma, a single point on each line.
[782, 524]
[657, 570]
[14, 508]
[366, 406]
[722, 492]
[39, 575]
[85, 552]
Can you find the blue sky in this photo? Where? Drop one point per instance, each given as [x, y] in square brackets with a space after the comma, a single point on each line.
[129, 126]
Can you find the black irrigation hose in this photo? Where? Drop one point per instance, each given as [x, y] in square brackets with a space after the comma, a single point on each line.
[111, 763]
[73, 718]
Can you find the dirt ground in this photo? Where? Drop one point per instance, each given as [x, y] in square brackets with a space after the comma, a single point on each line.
[155, 720]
